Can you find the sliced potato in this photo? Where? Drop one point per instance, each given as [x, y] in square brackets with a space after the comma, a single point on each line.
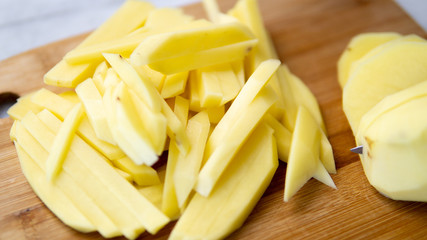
[358, 47]
[237, 192]
[62, 142]
[303, 162]
[378, 77]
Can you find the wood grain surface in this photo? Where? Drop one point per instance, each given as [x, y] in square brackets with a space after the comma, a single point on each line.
[309, 36]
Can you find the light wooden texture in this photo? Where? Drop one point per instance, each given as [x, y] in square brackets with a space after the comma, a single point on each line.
[309, 36]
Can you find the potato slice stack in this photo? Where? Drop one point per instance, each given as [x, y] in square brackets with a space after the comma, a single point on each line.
[209, 92]
[383, 76]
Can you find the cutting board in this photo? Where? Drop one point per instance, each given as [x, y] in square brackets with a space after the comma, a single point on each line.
[309, 36]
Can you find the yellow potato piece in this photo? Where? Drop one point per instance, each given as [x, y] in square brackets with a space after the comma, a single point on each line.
[282, 135]
[188, 166]
[62, 142]
[251, 89]
[394, 153]
[152, 123]
[170, 53]
[219, 55]
[239, 71]
[149, 94]
[141, 86]
[52, 195]
[303, 161]
[192, 92]
[124, 175]
[153, 193]
[169, 200]
[326, 154]
[408, 38]
[99, 76]
[359, 46]
[111, 79]
[219, 157]
[215, 114]
[64, 74]
[142, 175]
[51, 101]
[242, 185]
[181, 109]
[81, 173]
[209, 88]
[289, 101]
[133, 140]
[227, 82]
[94, 108]
[96, 170]
[381, 74]
[158, 21]
[60, 107]
[23, 105]
[175, 128]
[98, 80]
[389, 103]
[157, 78]
[304, 97]
[70, 96]
[79, 202]
[130, 16]
[248, 13]
[174, 84]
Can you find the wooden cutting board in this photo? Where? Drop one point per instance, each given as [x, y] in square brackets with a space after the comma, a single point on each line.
[309, 36]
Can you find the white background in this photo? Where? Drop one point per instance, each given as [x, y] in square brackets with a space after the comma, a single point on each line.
[26, 24]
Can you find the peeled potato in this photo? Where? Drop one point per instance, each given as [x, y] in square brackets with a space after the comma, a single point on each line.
[357, 48]
[381, 75]
[394, 139]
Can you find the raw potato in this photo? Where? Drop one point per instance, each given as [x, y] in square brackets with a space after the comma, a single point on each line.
[250, 90]
[283, 137]
[174, 84]
[134, 141]
[303, 162]
[168, 53]
[188, 166]
[393, 101]
[357, 48]
[56, 200]
[379, 76]
[169, 202]
[66, 186]
[395, 161]
[235, 195]
[142, 86]
[384, 100]
[92, 101]
[130, 16]
[246, 111]
[408, 38]
[60, 107]
[94, 168]
[212, 94]
[125, 45]
[62, 142]
[143, 175]
[23, 105]
[45, 137]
